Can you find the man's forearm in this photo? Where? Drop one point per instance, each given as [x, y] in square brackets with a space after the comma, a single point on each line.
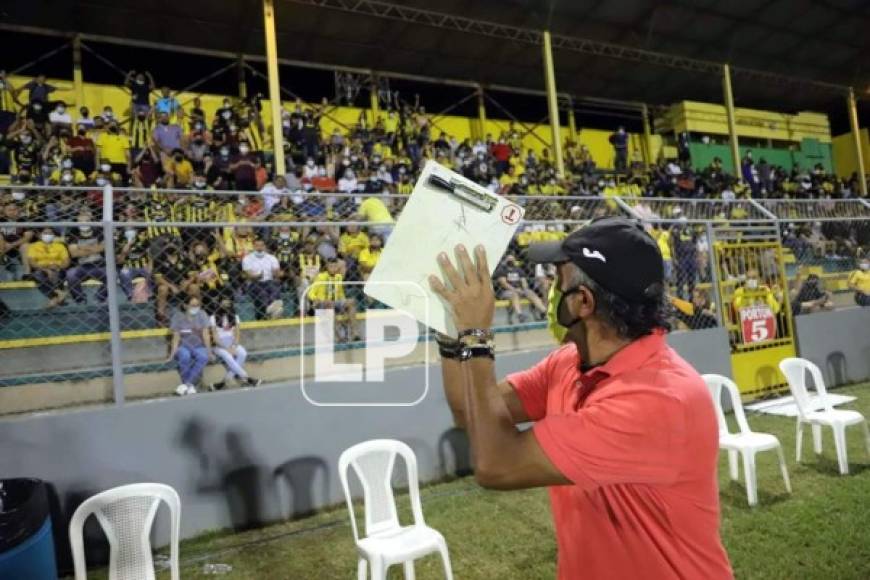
[490, 427]
[453, 378]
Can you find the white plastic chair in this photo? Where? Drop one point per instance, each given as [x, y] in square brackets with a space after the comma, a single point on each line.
[795, 371]
[746, 442]
[387, 542]
[126, 515]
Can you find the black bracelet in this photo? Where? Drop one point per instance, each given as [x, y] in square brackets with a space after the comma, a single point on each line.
[477, 351]
[449, 348]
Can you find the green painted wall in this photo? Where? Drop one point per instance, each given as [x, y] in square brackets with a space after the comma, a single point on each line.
[810, 153]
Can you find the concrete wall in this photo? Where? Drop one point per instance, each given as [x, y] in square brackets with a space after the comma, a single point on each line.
[838, 342]
[243, 458]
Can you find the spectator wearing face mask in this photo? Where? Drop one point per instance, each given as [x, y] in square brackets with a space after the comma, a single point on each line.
[197, 114]
[25, 150]
[167, 138]
[327, 292]
[167, 104]
[84, 121]
[273, 191]
[172, 276]
[243, 169]
[48, 258]
[146, 168]
[352, 242]
[113, 147]
[752, 293]
[209, 270]
[88, 261]
[60, 117]
[859, 281]
[37, 89]
[67, 174]
[179, 171]
[191, 345]
[263, 272]
[134, 258]
[808, 294]
[13, 250]
[310, 169]
[140, 84]
[228, 348]
[104, 175]
[511, 284]
[199, 144]
[368, 256]
[82, 150]
[619, 141]
[322, 181]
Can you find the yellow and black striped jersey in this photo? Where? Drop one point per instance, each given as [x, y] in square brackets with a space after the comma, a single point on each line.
[158, 209]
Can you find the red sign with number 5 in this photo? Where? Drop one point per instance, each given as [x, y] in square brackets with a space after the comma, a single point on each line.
[758, 324]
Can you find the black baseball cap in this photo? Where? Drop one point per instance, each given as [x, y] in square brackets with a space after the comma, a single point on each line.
[615, 252]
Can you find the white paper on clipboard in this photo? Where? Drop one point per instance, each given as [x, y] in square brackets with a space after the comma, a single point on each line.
[445, 209]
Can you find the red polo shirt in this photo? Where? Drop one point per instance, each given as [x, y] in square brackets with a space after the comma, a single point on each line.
[639, 439]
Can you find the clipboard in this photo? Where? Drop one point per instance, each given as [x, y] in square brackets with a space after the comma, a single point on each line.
[445, 209]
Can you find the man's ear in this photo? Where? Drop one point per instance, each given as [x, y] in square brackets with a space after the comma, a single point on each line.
[585, 300]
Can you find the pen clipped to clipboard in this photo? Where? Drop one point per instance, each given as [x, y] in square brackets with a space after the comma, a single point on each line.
[432, 222]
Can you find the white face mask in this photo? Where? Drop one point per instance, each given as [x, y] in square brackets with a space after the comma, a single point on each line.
[60, 110]
[259, 254]
[47, 238]
[18, 195]
[193, 310]
[284, 235]
[105, 168]
[85, 229]
[107, 114]
[67, 163]
[751, 283]
[130, 235]
[865, 266]
[101, 181]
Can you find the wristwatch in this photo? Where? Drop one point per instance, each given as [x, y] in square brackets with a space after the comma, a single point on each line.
[476, 342]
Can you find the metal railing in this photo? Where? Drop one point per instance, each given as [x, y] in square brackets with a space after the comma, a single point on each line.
[126, 258]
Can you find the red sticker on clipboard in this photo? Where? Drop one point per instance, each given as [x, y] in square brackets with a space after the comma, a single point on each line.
[510, 214]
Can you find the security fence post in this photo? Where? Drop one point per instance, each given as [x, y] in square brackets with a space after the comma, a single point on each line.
[112, 295]
[714, 273]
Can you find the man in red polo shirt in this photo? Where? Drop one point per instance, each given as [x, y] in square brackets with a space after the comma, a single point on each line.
[625, 433]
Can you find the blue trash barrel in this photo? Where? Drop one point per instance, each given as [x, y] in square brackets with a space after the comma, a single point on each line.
[26, 545]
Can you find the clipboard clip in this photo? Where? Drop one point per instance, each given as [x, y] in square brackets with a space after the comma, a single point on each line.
[475, 197]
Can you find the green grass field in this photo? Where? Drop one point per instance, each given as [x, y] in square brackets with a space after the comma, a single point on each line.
[821, 531]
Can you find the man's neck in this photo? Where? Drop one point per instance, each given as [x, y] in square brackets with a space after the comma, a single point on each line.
[601, 349]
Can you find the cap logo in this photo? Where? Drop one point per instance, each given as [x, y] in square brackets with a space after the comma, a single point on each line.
[593, 254]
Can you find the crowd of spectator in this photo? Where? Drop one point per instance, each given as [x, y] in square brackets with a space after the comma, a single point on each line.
[185, 160]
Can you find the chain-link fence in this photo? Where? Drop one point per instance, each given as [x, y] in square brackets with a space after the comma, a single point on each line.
[92, 278]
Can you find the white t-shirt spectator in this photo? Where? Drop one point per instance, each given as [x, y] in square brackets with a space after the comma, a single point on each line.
[59, 117]
[272, 195]
[346, 185]
[261, 266]
[86, 123]
[225, 335]
[728, 194]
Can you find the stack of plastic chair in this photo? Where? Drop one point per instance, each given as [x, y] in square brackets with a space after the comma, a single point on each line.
[745, 441]
[795, 371]
[386, 541]
[126, 515]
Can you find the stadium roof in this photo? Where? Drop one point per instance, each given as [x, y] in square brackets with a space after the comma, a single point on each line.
[637, 50]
